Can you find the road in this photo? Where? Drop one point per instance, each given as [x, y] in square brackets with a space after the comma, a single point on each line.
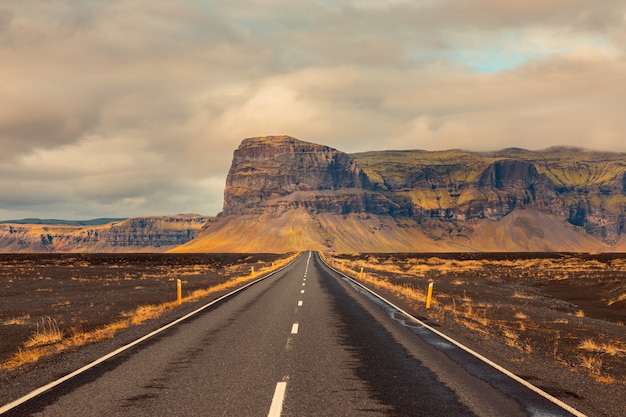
[303, 342]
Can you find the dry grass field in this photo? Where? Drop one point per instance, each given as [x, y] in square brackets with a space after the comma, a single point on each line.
[566, 308]
[53, 302]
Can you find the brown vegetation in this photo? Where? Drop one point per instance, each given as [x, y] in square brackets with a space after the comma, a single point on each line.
[52, 303]
[557, 306]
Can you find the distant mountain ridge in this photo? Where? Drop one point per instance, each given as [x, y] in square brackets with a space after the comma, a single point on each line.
[137, 234]
[91, 222]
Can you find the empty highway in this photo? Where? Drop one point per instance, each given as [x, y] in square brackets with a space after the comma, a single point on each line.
[303, 342]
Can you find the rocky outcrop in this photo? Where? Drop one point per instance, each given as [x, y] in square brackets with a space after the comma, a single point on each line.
[156, 234]
[278, 173]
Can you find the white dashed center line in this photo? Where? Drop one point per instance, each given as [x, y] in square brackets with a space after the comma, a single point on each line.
[277, 402]
[276, 408]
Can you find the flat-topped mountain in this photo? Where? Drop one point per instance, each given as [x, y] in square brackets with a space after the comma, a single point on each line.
[285, 194]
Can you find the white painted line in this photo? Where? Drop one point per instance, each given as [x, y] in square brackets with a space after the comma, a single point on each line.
[302, 292]
[294, 328]
[116, 352]
[276, 408]
[307, 262]
[468, 350]
[303, 284]
[300, 303]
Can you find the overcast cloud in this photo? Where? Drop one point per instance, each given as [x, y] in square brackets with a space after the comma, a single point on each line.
[115, 108]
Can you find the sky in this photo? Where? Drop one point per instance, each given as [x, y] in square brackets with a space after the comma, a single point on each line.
[121, 108]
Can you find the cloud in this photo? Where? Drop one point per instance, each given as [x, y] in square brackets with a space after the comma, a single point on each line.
[117, 108]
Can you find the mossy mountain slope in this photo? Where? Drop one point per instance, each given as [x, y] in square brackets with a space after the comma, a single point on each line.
[582, 188]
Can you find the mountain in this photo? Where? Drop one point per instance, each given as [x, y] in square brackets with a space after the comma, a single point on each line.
[139, 234]
[284, 194]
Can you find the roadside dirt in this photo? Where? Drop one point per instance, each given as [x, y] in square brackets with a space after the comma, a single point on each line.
[83, 292]
[557, 320]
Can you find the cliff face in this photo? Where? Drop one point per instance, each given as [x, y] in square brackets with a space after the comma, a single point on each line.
[446, 194]
[133, 235]
[279, 173]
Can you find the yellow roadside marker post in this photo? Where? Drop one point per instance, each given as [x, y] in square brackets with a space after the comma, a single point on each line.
[361, 273]
[252, 272]
[430, 294]
[179, 291]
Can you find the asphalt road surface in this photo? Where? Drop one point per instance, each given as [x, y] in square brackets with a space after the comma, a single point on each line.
[303, 342]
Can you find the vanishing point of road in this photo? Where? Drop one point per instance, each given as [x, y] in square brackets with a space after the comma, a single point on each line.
[303, 342]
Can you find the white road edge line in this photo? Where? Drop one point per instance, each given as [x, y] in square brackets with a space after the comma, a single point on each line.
[98, 361]
[294, 328]
[467, 349]
[276, 408]
[300, 303]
